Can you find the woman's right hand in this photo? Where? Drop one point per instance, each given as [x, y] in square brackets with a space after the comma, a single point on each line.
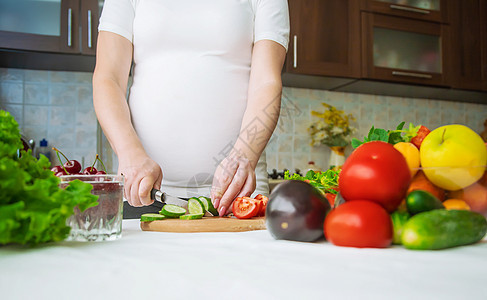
[141, 175]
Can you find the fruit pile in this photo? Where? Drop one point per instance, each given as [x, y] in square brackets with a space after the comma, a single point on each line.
[422, 189]
[73, 167]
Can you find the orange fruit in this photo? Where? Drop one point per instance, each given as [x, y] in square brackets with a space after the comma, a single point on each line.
[456, 204]
[411, 154]
[474, 195]
[420, 182]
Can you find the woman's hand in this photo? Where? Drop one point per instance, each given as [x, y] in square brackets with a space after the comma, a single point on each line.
[234, 177]
[141, 175]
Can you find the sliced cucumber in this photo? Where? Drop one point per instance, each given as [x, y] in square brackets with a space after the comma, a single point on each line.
[191, 216]
[209, 205]
[172, 211]
[151, 217]
[195, 206]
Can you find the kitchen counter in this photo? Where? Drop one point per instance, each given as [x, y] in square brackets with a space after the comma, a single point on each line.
[247, 265]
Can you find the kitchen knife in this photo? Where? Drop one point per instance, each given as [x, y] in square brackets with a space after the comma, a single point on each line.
[160, 198]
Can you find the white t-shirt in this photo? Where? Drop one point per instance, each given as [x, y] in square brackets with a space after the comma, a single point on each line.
[190, 79]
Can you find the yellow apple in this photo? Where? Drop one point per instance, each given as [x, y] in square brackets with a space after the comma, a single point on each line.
[453, 156]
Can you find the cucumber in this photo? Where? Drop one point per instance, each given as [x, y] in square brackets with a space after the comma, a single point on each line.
[399, 219]
[209, 205]
[441, 228]
[419, 201]
[191, 216]
[151, 217]
[195, 206]
[172, 211]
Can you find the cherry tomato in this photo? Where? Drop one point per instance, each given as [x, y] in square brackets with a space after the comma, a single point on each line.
[245, 207]
[377, 172]
[422, 133]
[360, 223]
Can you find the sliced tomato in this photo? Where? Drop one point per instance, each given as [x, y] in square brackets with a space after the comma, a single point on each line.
[263, 204]
[245, 207]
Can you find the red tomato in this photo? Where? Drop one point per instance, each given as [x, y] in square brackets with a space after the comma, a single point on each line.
[263, 204]
[377, 172]
[245, 207]
[359, 224]
[422, 133]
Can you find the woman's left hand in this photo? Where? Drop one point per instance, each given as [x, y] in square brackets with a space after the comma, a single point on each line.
[234, 177]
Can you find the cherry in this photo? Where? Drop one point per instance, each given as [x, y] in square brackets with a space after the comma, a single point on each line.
[100, 172]
[56, 169]
[90, 171]
[60, 173]
[70, 166]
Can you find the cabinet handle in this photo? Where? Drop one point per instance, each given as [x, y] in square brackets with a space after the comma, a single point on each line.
[408, 74]
[89, 29]
[410, 9]
[295, 50]
[70, 27]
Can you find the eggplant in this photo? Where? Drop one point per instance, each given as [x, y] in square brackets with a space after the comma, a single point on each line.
[296, 211]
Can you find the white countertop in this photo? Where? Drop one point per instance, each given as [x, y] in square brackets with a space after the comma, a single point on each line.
[247, 265]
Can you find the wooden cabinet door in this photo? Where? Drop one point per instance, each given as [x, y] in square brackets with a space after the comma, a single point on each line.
[89, 15]
[426, 10]
[325, 38]
[405, 50]
[47, 26]
[469, 44]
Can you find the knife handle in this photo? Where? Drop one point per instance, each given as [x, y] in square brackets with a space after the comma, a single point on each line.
[155, 194]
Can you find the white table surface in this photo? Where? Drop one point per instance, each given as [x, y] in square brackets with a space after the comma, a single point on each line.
[247, 265]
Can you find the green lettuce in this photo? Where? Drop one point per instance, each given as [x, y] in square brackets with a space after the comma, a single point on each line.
[326, 182]
[33, 209]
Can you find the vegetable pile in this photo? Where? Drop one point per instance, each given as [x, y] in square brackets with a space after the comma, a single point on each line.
[423, 189]
[33, 209]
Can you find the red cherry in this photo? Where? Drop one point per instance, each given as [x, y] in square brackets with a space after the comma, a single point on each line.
[70, 166]
[60, 173]
[100, 172]
[90, 171]
[56, 169]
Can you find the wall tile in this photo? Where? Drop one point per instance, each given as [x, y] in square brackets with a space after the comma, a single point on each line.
[36, 76]
[11, 92]
[64, 77]
[36, 115]
[63, 94]
[86, 137]
[62, 116]
[36, 93]
[85, 96]
[11, 75]
[62, 137]
[85, 116]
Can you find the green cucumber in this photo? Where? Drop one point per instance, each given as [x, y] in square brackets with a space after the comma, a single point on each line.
[399, 218]
[419, 201]
[209, 205]
[151, 217]
[191, 216]
[195, 206]
[441, 228]
[172, 211]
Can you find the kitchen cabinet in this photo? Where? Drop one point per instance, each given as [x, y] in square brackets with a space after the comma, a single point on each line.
[29, 28]
[426, 10]
[469, 44]
[405, 50]
[325, 38]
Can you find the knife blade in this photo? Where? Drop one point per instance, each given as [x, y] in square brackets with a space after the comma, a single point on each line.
[163, 198]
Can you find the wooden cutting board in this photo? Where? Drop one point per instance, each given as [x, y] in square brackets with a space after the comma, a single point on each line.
[207, 224]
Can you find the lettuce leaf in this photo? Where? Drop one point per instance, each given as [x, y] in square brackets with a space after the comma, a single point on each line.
[326, 182]
[33, 209]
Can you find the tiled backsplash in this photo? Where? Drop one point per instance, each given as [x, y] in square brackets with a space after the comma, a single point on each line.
[58, 106]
